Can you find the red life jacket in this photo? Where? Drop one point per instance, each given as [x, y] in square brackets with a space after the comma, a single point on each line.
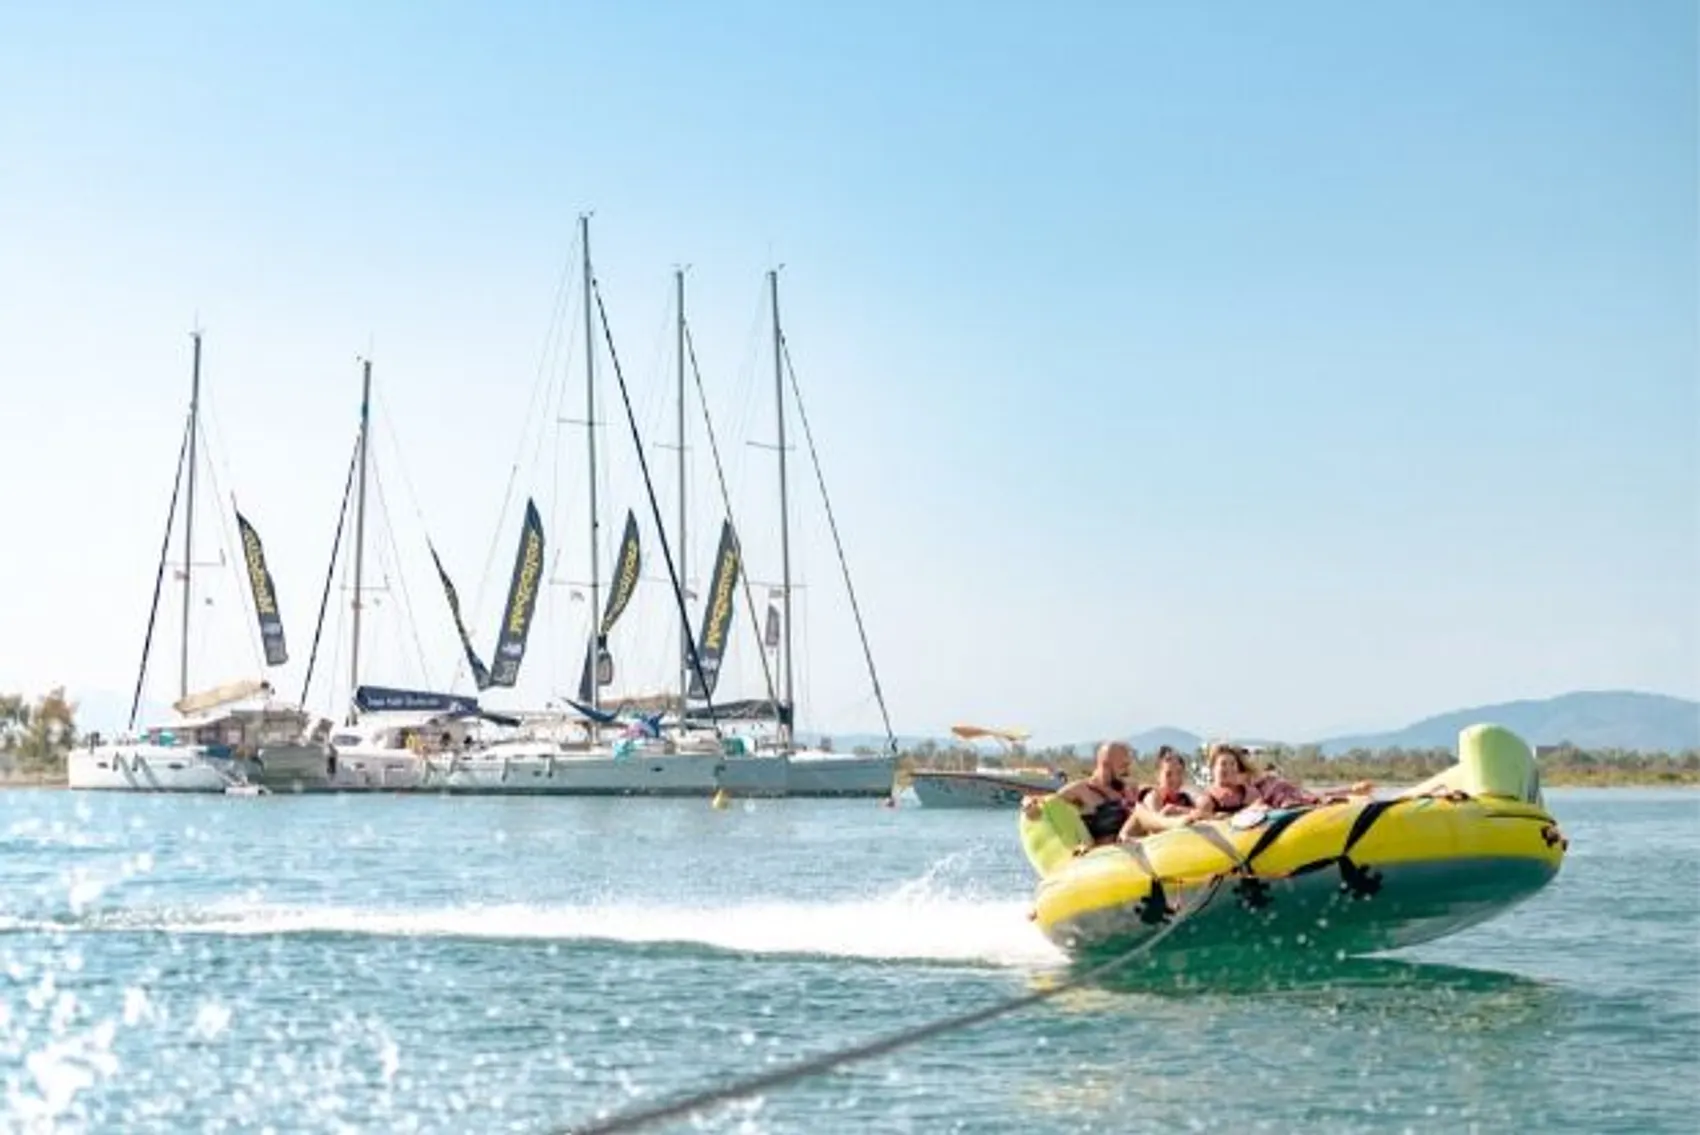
[1180, 798]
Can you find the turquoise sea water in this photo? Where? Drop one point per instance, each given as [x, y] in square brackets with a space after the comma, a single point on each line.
[431, 964]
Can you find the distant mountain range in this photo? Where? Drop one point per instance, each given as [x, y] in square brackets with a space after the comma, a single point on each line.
[1605, 719]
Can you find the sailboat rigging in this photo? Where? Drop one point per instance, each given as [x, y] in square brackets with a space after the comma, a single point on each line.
[213, 743]
[787, 702]
[838, 547]
[377, 744]
[728, 558]
[655, 509]
[330, 575]
[813, 771]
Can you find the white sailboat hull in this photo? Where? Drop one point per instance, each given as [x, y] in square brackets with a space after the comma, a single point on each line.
[755, 776]
[320, 768]
[597, 773]
[144, 767]
[811, 772]
[294, 768]
[378, 770]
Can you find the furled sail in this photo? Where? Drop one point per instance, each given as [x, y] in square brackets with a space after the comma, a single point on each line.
[265, 593]
[522, 600]
[750, 709]
[204, 700]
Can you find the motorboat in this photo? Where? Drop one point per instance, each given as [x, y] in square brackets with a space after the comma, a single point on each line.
[987, 785]
[983, 787]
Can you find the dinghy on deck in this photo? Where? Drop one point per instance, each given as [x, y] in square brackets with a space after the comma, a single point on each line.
[1340, 878]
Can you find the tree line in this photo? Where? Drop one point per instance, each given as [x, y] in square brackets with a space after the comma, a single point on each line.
[36, 735]
[1562, 764]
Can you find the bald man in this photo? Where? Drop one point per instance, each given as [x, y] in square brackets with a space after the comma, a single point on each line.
[1103, 798]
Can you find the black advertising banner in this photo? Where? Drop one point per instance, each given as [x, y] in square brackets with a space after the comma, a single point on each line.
[480, 672]
[265, 594]
[716, 614]
[627, 566]
[522, 600]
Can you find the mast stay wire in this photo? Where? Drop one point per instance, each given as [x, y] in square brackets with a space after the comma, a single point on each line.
[395, 568]
[643, 465]
[400, 461]
[726, 501]
[330, 576]
[654, 630]
[742, 406]
[553, 407]
[647, 411]
[745, 392]
[159, 581]
[837, 543]
[215, 458]
[544, 372]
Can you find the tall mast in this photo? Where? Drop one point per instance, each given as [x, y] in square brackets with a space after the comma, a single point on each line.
[360, 521]
[590, 432]
[684, 555]
[788, 704]
[189, 517]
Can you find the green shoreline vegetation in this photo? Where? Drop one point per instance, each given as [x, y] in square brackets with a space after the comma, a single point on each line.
[35, 737]
[1561, 765]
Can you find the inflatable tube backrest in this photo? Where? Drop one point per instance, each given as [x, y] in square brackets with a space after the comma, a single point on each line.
[1497, 762]
[1051, 839]
[1492, 761]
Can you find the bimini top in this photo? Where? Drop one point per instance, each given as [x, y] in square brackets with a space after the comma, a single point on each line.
[191, 705]
[977, 732]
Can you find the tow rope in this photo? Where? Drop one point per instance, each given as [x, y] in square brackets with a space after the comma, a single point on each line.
[639, 1118]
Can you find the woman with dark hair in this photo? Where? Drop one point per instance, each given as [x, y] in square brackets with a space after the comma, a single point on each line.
[1169, 797]
[1166, 805]
[1236, 783]
[1230, 787]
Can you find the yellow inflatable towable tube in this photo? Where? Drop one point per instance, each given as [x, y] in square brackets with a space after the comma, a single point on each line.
[1344, 878]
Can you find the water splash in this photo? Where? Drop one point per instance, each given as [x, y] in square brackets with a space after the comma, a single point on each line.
[912, 925]
[947, 913]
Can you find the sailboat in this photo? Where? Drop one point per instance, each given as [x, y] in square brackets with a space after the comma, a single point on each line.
[380, 744]
[747, 773]
[809, 770]
[567, 753]
[212, 743]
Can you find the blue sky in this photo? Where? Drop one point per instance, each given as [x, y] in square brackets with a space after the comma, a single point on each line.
[1253, 368]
